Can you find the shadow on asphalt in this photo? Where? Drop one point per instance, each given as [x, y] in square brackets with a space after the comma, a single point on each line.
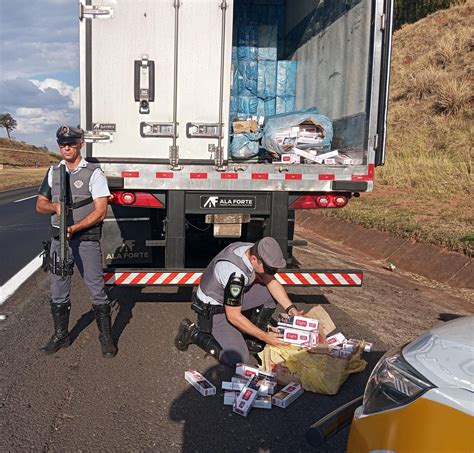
[208, 425]
[82, 323]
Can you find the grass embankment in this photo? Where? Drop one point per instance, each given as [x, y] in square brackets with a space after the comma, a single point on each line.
[424, 191]
[23, 165]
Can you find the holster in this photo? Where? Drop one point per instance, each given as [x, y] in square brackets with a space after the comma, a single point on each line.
[205, 313]
[46, 264]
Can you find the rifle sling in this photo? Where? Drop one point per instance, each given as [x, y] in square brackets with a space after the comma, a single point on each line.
[81, 203]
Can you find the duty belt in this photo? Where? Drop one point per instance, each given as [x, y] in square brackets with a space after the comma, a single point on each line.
[204, 309]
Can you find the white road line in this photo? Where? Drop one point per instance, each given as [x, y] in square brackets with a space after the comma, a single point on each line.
[17, 280]
[23, 199]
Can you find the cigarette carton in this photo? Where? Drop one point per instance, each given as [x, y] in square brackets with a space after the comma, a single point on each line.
[230, 397]
[261, 402]
[243, 402]
[287, 395]
[248, 372]
[341, 353]
[336, 339]
[344, 160]
[329, 161]
[240, 379]
[266, 387]
[299, 322]
[298, 337]
[200, 383]
[233, 386]
[289, 158]
[367, 345]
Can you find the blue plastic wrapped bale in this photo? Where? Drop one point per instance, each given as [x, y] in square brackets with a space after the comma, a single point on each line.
[233, 106]
[245, 146]
[267, 77]
[247, 78]
[266, 107]
[286, 78]
[267, 42]
[285, 104]
[247, 43]
[247, 106]
[235, 78]
[277, 126]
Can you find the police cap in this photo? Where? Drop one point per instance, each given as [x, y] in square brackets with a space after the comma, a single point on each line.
[68, 135]
[270, 253]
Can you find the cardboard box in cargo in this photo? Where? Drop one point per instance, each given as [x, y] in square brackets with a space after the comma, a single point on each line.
[244, 126]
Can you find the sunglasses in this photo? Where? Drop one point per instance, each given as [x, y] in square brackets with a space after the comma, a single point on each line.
[63, 145]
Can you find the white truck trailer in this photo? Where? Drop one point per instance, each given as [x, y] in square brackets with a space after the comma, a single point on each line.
[156, 93]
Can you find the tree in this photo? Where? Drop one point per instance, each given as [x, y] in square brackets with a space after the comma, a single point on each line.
[8, 122]
[408, 11]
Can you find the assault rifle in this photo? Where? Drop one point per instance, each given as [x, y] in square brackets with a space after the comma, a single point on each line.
[60, 264]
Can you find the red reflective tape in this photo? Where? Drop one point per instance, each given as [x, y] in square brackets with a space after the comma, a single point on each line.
[317, 279]
[285, 277]
[170, 277]
[297, 176]
[130, 174]
[229, 176]
[333, 279]
[260, 175]
[327, 177]
[138, 278]
[154, 277]
[198, 175]
[108, 276]
[185, 278]
[118, 281]
[368, 177]
[302, 279]
[165, 174]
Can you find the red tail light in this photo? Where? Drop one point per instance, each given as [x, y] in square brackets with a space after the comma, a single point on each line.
[320, 201]
[137, 199]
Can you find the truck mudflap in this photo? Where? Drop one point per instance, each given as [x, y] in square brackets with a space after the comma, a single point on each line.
[192, 277]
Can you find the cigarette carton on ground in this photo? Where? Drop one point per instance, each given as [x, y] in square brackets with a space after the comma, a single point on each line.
[298, 337]
[299, 322]
[233, 386]
[248, 372]
[287, 395]
[367, 345]
[200, 383]
[247, 396]
[261, 402]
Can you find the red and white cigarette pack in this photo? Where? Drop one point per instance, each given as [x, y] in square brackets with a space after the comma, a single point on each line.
[287, 395]
[233, 386]
[335, 340]
[299, 322]
[367, 346]
[298, 337]
[246, 397]
[261, 402]
[248, 372]
[200, 383]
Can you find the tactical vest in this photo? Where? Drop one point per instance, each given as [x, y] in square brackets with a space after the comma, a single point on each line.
[78, 198]
[209, 284]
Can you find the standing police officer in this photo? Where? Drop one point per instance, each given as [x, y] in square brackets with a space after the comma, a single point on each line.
[233, 307]
[87, 202]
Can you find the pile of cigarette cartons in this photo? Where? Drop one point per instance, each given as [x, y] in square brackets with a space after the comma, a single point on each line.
[299, 331]
[340, 346]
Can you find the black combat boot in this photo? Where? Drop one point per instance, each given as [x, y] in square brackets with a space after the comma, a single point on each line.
[102, 316]
[189, 333]
[60, 338]
[261, 317]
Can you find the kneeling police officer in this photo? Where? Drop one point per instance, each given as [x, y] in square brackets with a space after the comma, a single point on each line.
[233, 306]
[87, 198]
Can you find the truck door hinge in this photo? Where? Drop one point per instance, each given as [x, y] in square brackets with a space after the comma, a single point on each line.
[174, 158]
[376, 141]
[98, 137]
[95, 12]
[383, 22]
[218, 153]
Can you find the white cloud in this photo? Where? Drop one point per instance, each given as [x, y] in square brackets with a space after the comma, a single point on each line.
[61, 87]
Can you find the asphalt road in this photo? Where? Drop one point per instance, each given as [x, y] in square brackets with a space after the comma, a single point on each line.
[77, 401]
[22, 230]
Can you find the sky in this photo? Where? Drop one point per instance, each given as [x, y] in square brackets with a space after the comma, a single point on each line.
[39, 67]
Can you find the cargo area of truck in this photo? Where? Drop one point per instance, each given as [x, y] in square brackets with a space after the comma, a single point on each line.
[294, 55]
[159, 77]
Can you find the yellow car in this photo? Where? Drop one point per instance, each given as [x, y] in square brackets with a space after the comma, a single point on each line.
[419, 398]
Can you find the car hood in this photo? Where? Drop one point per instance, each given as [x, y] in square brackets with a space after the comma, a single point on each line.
[445, 354]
